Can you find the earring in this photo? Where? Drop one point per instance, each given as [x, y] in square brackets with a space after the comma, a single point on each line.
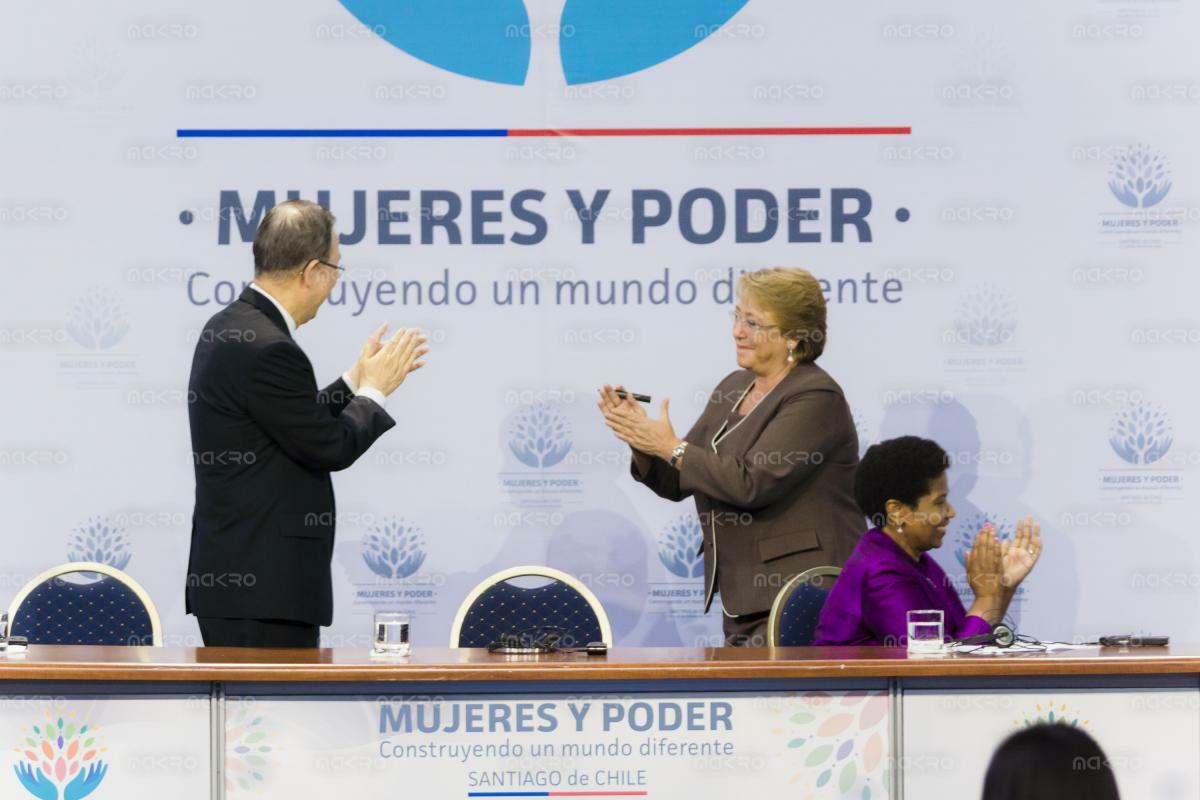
[791, 356]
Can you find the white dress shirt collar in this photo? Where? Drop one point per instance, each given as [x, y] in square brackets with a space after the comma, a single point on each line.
[364, 391]
[287, 318]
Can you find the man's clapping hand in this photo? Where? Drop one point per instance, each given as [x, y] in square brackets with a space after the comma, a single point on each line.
[383, 365]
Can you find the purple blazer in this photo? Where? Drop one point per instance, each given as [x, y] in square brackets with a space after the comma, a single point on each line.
[878, 586]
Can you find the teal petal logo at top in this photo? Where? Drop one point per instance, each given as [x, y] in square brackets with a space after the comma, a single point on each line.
[679, 547]
[1051, 713]
[60, 759]
[491, 40]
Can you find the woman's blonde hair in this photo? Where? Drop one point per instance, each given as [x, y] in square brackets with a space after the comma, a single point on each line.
[794, 298]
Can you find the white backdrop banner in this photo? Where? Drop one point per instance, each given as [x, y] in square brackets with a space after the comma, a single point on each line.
[1000, 201]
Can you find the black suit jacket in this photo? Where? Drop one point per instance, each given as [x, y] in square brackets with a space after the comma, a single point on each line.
[264, 441]
[774, 489]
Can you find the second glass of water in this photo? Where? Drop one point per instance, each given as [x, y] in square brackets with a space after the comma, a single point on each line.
[391, 633]
[925, 631]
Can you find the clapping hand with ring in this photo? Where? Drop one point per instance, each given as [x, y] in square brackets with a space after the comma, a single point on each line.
[1019, 554]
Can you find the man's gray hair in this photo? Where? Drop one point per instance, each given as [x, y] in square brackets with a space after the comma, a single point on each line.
[291, 234]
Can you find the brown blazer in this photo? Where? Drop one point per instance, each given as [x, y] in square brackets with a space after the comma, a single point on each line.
[774, 489]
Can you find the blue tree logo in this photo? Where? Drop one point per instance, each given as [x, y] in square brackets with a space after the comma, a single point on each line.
[492, 39]
[1141, 433]
[97, 320]
[101, 541]
[1139, 177]
[986, 317]
[969, 528]
[679, 547]
[395, 549]
[540, 436]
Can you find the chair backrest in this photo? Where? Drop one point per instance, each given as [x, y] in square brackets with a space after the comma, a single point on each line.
[498, 606]
[797, 607]
[84, 602]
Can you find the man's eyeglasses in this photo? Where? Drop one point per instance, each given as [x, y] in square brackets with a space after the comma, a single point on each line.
[337, 267]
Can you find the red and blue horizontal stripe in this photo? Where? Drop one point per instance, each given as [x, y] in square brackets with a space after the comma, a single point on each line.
[524, 133]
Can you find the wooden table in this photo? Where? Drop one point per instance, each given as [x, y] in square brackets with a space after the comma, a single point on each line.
[210, 722]
[49, 662]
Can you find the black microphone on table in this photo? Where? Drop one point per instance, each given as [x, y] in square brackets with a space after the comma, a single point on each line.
[542, 639]
[1002, 635]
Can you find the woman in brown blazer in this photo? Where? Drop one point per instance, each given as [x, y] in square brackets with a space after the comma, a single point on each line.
[771, 460]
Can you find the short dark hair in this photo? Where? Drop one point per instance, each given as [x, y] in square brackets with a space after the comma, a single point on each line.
[897, 469]
[291, 234]
[1048, 761]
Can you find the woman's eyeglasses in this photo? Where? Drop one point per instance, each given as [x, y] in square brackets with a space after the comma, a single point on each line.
[751, 325]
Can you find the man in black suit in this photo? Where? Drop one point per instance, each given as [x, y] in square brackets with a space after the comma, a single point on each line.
[264, 441]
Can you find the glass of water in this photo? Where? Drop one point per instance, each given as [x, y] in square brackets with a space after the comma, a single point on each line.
[925, 631]
[391, 633]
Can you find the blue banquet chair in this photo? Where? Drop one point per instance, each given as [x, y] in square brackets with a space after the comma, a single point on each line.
[500, 606]
[797, 607]
[84, 602]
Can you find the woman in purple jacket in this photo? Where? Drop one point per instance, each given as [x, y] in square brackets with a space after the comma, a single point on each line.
[901, 487]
